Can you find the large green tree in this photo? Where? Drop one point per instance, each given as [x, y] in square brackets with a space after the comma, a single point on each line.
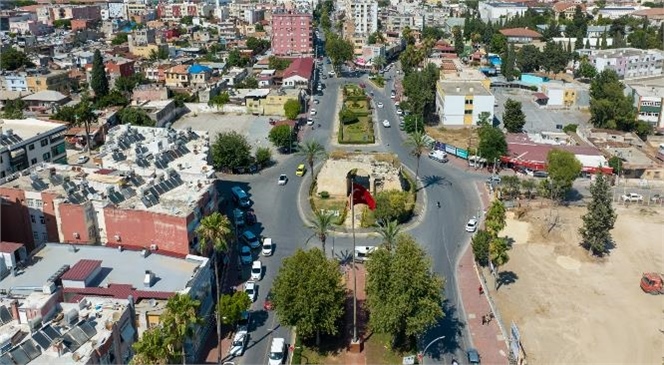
[11, 59]
[459, 45]
[13, 109]
[231, 151]
[492, 145]
[391, 205]
[214, 234]
[388, 231]
[600, 218]
[338, 50]
[98, 77]
[513, 117]
[281, 136]
[403, 293]
[495, 219]
[231, 306]
[309, 294]
[529, 58]
[220, 100]
[179, 320]
[135, 116]
[480, 243]
[152, 349]
[563, 168]
[554, 57]
[292, 109]
[609, 106]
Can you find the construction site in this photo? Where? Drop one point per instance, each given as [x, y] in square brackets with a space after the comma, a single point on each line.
[572, 307]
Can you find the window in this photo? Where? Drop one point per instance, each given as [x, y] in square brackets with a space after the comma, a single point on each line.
[31, 147]
[35, 234]
[469, 101]
[33, 161]
[44, 142]
[47, 156]
[42, 220]
[32, 218]
[468, 112]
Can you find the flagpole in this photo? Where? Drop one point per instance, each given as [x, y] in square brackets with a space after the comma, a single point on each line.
[352, 216]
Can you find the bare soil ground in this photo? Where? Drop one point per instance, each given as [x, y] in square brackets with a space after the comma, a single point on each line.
[572, 308]
[457, 136]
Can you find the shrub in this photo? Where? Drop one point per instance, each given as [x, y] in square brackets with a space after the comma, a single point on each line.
[570, 128]
[392, 205]
[324, 195]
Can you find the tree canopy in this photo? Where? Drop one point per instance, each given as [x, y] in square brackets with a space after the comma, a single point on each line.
[98, 78]
[403, 294]
[338, 49]
[609, 106]
[292, 109]
[513, 117]
[281, 136]
[135, 116]
[11, 59]
[231, 151]
[309, 293]
[492, 145]
[563, 168]
[392, 205]
[231, 307]
[600, 218]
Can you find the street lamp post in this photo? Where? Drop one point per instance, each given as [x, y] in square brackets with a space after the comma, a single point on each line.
[427, 347]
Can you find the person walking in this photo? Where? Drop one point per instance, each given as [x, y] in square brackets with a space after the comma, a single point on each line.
[480, 290]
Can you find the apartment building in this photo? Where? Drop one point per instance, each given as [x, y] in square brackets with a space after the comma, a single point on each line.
[28, 142]
[60, 12]
[176, 11]
[36, 80]
[397, 22]
[292, 33]
[152, 187]
[495, 11]
[361, 17]
[462, 94]
[629, 63]
[649, 101]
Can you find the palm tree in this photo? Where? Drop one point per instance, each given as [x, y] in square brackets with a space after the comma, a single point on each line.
[379, 62]
[151, 349]
[321, 226]
[498, 254]
[311, 151]
[177, 322]
[215, 232]
[388, 231]
[417, 142]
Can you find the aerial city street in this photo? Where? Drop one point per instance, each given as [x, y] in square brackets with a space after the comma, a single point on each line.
[331, 182]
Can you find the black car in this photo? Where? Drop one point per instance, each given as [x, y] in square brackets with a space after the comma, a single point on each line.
[250, 217]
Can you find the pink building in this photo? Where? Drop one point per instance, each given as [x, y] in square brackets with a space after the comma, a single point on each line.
[292, 33]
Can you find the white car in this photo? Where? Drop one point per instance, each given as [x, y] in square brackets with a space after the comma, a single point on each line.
[386, 123]
[471, 226]
[239, 343]
[362, 253]
[310, 121]
[256, 270]
[312, 112]
[82, 159]
[379, 104]
[251, 290]
[399, 112]
[277, 351]
[267, 247]
[283, 179]
[316, 101]
[245, 255]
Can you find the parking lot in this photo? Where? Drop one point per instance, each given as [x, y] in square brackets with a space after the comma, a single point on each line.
[255, 128]
[537, 119]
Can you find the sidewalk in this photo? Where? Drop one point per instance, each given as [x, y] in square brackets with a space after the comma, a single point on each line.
[487, 338]
[347, 357]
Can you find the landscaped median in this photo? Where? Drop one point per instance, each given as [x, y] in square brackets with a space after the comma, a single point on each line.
[355, 117]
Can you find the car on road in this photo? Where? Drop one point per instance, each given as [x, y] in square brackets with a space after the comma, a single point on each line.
[283, 179]
[473, 356]
[540, 174]
[312, 112]
[316, 101]
[82, 159]
[267, 247]
[379, 104]
[238, 217]
[656, 198]
[250, 239]
[301, 169]
[239, 343]
[438, 156]
[393, 95]
[256, 270]
[245, 255]
[323, 77]
[386, 123]
[331, 73]
[277, 351]
[471, 226]
[494, 179]
[251, 290]
[268, 305]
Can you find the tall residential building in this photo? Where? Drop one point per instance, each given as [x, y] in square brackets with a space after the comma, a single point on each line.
[629, 63]
[649, 101]
[362, 17]
[292, 33]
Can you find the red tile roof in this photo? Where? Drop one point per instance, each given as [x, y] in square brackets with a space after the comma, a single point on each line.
[302, 67]
[81, 270]
[119, 291]
[520, 32]
[9, 247]
[540, 96]
[563, 5]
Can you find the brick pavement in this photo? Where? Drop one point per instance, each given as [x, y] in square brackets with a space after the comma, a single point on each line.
[347, 357]
[487, 338]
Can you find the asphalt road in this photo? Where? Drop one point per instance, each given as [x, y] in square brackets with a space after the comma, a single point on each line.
[440, 231]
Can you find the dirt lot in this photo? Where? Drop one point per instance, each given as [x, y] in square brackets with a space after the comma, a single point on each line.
[572, 308]
[457, 136]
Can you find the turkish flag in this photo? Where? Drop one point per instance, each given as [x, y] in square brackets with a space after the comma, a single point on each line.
[362, 196]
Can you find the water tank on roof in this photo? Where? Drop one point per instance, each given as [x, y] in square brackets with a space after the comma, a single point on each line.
[71, 317]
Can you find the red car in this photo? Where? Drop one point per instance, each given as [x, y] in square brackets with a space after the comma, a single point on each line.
[268, 305]
[362, 85]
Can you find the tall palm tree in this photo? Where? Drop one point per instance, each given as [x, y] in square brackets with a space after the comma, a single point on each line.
[321, 225]
[181, 315]
[418, 143]
[388, 231]
[498, 254]
[312, 150]
[215, 231]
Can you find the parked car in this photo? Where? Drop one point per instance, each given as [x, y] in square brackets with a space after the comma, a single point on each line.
[494, 179]
[473, 356]
[312, 112]
[362, 253]
[245, 255]
[238, 217]
[632, 197]
[267, 247]
[256, 270]
[277, 351]
[438, 156]
[250, 239]
[540, 174]
[471, 226]
[82, 159]
[250, 217]
[239, 343]
[251, 290]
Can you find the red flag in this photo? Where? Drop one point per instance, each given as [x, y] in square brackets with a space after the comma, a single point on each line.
[362, 196]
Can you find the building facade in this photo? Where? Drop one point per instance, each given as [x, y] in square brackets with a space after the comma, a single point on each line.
[362, 17]
[292, 33]
[176, 11]
[493, 11]
[649, 102]
[629, 63]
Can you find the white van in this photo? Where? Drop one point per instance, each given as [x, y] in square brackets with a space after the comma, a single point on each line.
[277, 351]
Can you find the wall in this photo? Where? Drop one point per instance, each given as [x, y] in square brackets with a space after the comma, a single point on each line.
[15, 218]
[138, 229]
[74, 224]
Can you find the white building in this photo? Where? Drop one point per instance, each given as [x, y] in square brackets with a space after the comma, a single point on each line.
[27, 142]
[496, 10]
[649, 101]
[629, 63]
[461, 102]
[364, 14]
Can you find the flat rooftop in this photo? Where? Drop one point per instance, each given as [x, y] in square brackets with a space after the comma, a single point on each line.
[650, 90]
[126, 267]
[631, 156]
[464, 88]
[14, 131]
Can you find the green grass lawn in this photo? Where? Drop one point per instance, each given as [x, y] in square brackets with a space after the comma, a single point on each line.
[378, 351]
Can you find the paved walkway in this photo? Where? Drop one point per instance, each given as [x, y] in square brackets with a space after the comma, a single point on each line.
[487, 338]
[347, 357]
